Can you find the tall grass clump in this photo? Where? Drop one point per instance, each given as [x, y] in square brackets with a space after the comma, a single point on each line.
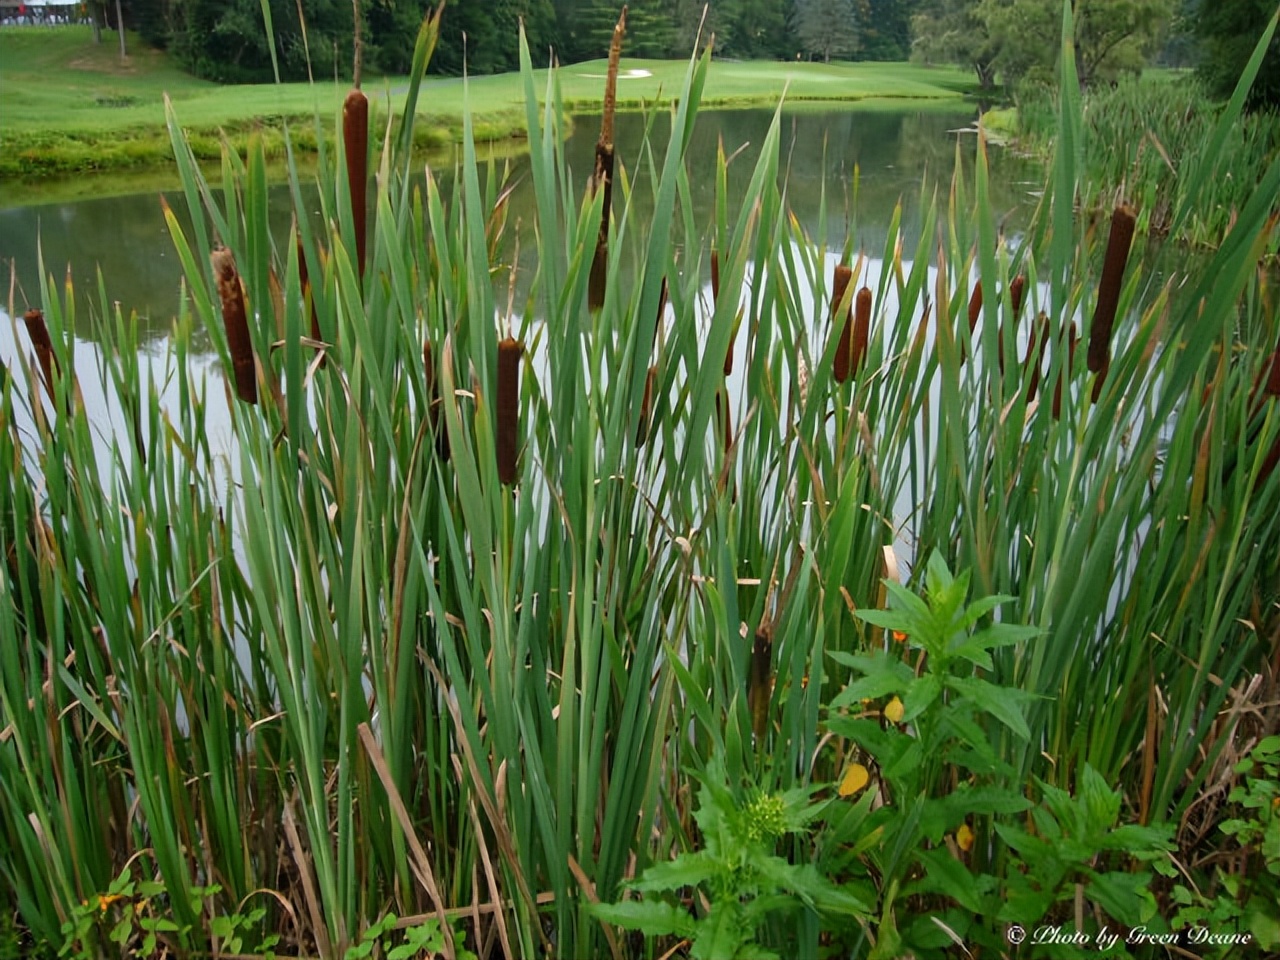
[1147, 137]
[488, 620]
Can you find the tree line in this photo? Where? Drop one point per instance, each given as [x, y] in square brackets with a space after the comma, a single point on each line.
[1005, 42]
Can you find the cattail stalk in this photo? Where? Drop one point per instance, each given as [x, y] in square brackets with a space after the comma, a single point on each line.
[841, 279]
[234, 320]
[507, 408]
[861, 330]
[602, 177]
[355, 140]
[1104, 314]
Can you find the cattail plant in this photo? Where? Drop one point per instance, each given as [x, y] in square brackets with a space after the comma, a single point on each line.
[602, 177]
[1104, 314]
[646, 403]
[355, 141]
[1266, 383]
[646, 407]
[1015, 300]
[840, 281]
[975, 306]
[724, 418]
[861, 329]
[239, 343]
[1037, 347]
[759, 680]
[1072, 340]
[507, 408]
[308, 298]
[715, 298]
[975, 312]
[433, 402]
[39, 334]
[1016, 289]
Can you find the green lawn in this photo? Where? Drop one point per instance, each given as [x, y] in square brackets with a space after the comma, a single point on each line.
[69, 105]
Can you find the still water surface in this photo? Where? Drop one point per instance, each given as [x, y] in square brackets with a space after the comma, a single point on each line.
[898, 154]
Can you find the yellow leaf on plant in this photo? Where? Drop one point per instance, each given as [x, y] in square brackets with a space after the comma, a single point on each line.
[893, 711]
[964, 838]
[855, 778]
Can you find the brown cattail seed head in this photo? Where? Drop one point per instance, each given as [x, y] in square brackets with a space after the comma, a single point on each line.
[1104, 314]
[602, 177]
[39, 335]
[355, 139]
[861, 329]
[1037, 347]
[975, 306]
[236, 324]
[841, 279]
[759, 679]
[1016, 289]
[724, 418]
[508, 408]
[1073, 339]
[646, 407]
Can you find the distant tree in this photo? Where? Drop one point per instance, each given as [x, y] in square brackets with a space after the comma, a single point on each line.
[1012, 38]
[886, 29]
[955, 31]
[1229, 30]
[1114, 36]
[827, 28]
[225, 40]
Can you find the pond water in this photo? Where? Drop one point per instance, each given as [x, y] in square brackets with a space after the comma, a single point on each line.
[897, 152]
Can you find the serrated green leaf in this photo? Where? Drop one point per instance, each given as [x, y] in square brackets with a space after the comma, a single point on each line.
[1000, 702]
[653, 918]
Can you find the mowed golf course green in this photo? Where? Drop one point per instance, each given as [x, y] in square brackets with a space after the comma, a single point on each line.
[70, 105]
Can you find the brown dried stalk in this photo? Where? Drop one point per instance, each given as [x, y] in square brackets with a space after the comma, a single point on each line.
[1104, 314]
[840, 281]
[507, 408]
[239, 343]
[602, 177]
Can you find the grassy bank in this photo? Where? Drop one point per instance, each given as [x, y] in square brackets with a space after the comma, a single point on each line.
[71, 106]
[785, 599]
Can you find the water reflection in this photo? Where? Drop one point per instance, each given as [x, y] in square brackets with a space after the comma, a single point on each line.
[898, 154]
